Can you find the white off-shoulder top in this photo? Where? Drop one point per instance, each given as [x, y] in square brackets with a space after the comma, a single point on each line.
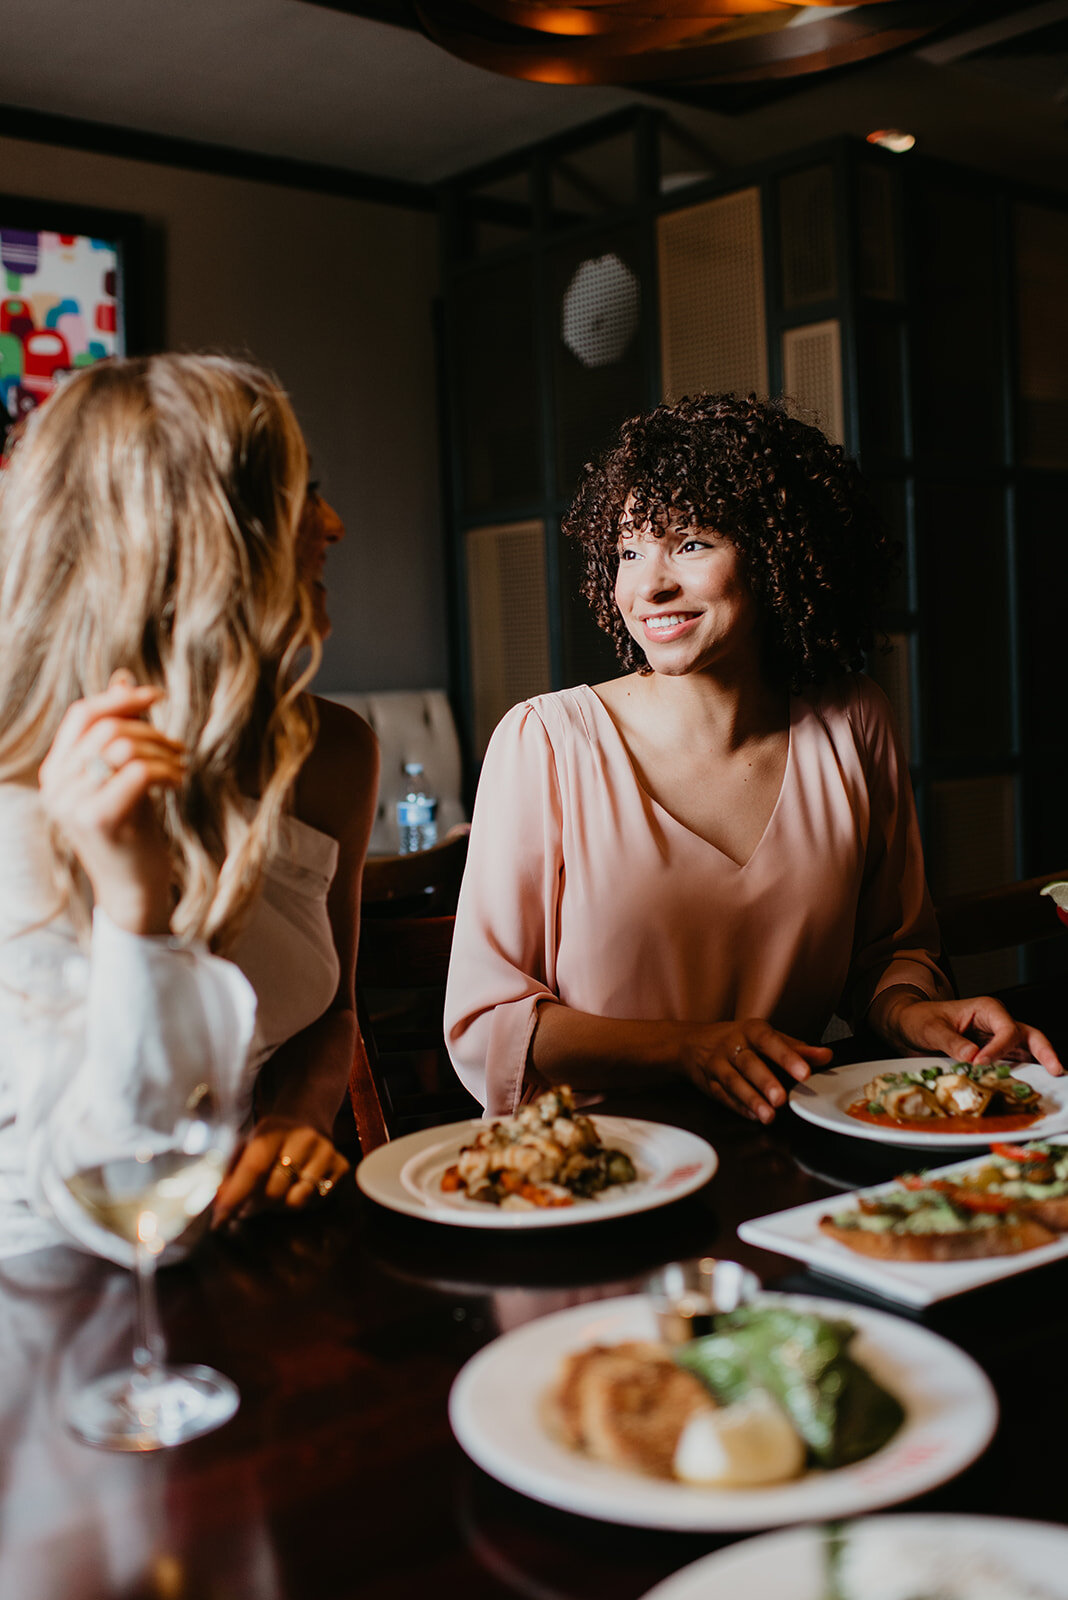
[80, 1027]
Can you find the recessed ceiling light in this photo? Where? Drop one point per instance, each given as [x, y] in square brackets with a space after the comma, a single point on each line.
[892, 139]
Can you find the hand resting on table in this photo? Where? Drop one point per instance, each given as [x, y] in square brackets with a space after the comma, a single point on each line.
[732, 1062]
[282, 1163]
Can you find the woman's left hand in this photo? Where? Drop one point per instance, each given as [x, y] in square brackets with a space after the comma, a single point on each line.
[283, 1162]
[977, 1031]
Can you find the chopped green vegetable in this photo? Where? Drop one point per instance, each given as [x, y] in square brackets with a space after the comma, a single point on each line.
[620, 1167]
[802, 1360]
[875, 1107]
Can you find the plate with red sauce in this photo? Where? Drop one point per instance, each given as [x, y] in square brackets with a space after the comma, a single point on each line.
[835, 1100]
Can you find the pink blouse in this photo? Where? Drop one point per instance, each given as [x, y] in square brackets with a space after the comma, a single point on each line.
[581, 889]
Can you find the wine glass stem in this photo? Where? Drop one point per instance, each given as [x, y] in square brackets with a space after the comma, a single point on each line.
[149, 1349]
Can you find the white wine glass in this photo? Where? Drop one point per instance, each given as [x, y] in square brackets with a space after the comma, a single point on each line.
[159, 1178]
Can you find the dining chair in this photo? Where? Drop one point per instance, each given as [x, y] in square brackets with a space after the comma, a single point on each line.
[998, 919]
[411, 725]
[991, 926]
[422, 883]
[401, 1076]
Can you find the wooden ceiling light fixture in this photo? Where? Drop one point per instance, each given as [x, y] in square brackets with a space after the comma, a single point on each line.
[679, 42]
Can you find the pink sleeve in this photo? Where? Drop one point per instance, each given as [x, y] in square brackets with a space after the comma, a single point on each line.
[896, 938]
[503, 962]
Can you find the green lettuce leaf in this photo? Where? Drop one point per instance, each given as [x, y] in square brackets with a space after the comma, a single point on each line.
[841, 1412]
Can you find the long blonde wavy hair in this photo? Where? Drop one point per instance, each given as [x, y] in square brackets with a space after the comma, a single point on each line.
[148, 521]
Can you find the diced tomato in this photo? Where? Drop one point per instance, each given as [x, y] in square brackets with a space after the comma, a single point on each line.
[542, 1197]
[976, 1200]
[450, 1180]
[968, 1199]
[1018, 1152]
[511, 1182]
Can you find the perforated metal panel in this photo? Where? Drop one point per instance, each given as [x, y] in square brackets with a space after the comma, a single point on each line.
[599, 360]
[812, 375]
[892, 671]
[600, 310]
[712, 328]
[806, 237]
[508, 620]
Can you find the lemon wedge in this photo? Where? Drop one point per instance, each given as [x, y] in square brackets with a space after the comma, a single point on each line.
[749, 1442]
[1058, 893]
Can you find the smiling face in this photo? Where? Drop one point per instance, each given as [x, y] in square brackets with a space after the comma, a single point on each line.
[683, 595]
[320, 527]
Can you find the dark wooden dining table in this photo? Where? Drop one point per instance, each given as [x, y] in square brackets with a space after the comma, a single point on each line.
[344, 1330]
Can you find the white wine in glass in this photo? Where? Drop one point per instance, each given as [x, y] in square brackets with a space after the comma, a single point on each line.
[149, 1198]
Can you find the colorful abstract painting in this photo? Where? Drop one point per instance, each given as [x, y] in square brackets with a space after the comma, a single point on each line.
[59, 310]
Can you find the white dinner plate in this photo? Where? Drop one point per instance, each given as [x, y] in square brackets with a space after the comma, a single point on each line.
[495, 1411]
[825, 1099]
[911, 1555]
[405, 1175]
[795, 1232]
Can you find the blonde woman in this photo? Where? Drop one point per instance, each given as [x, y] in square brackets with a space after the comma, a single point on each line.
[182, 827]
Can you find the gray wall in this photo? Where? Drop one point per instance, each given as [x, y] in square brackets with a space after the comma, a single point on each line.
[335, 294]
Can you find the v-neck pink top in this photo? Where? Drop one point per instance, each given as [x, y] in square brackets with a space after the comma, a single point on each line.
[581, 889]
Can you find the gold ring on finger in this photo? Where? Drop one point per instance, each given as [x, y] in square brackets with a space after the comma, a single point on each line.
[736, 1052]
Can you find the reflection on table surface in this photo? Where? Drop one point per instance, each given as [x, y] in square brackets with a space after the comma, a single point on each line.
[344, 1330]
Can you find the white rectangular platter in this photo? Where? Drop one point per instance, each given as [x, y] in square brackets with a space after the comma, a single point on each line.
[914, 1283]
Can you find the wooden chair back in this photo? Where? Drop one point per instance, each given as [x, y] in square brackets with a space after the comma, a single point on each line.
[401, 1075]
[996, 919]
[998, 937]
[425, 883]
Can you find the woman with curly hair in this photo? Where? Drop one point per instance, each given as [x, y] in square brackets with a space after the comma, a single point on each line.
[182, 827]
[690, 869]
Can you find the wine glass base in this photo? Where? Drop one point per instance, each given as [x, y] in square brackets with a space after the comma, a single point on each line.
[124, 1411]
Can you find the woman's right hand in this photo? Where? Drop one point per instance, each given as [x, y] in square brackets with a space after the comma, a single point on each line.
[97, 783]
[730, 1062]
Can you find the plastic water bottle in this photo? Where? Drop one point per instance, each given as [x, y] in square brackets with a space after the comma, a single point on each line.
[417, 813]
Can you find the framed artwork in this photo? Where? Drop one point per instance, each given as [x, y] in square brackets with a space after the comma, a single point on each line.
[70, 295]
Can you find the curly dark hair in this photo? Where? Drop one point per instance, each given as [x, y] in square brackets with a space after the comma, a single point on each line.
[814, 550]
